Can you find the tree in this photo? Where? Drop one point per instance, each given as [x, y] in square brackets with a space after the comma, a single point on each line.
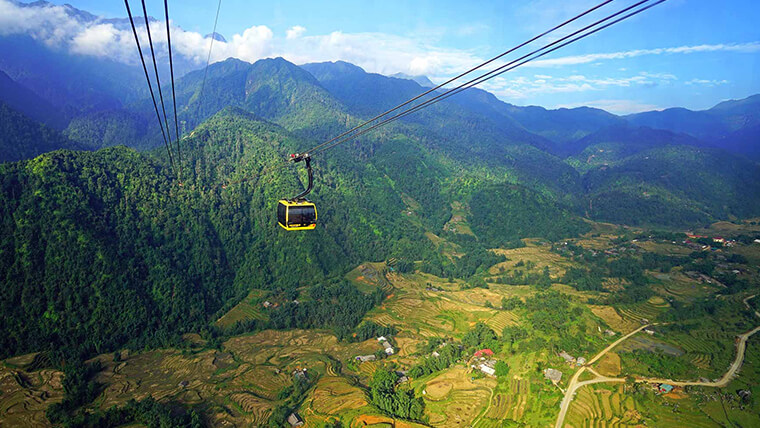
[501, 368]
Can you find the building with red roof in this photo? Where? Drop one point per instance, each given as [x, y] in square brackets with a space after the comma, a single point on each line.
[484, 353]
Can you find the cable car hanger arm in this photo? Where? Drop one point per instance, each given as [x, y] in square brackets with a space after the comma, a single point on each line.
[297, 157]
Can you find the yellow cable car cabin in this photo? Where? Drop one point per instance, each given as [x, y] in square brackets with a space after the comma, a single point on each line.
[298, 213]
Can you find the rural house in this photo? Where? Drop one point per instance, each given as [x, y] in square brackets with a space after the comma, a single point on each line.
[295, 420]
[553, 375]
[483, 353]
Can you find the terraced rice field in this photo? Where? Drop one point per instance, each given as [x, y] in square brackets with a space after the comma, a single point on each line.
[258, 410]
[248, 309]
[539, 255]
[502, 319]
[452, 399]
[25, 395]
[613, 319]
[334, 395]
[648, 310]
[510, 404]
[602, 407]
[369, 276]
[421, 313]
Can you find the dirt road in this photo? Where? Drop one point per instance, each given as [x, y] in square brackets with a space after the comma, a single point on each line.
[573, 386]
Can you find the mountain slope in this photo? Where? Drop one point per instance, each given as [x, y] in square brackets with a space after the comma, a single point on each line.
[27, 102]
[732, 125]
[674, 186]
[23, 138]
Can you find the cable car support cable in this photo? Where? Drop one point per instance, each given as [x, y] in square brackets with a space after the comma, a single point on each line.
[503, 69]
[158, 80]
[208, 58]
[147, 78]
[463, 74]
[174, 98]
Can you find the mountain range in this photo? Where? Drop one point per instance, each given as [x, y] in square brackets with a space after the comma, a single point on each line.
[97, 232]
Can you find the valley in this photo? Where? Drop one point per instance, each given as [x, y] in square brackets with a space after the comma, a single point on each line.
[480, 262]
[240, 379]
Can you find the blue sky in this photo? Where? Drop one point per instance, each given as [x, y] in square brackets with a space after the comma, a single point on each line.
[692, 53]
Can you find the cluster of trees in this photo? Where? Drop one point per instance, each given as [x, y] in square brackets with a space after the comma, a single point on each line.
[388, 396]
[501, 215]
[368, 330]
[293, 395]
[597, 267]
[447, 356]
[475, 259]
[147, 412]
[541, 279]
[339, 306]
[79, 388]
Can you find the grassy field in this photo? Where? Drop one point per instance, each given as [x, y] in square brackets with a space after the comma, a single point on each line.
[248, 309]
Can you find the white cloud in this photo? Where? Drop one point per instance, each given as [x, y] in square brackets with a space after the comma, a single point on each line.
[706, 82]
[522, 87]
[751, 47]
[294, 32]
[615, 106]
[375, 52]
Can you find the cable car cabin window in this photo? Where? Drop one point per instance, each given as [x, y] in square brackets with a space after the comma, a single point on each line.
[298, 216]
[282, 213]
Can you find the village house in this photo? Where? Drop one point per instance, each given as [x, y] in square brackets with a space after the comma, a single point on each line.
[581, 361]
[483, 353]
[567, 357]
[488, 367]
[382, 339]
[295, 420]
[609, 332]
[267, 304]
[365, 358]
[649, 331]
[664, 388]
[435, 354]
[388, 348]
[553, 375]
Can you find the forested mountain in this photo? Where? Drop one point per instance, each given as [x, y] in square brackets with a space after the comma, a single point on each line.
[731, 125]
[23, 138]
[74, 84]
[108, 240]
[22, 99]
[674, 186]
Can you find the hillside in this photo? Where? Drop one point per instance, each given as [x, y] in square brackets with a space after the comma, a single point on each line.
[23, 138]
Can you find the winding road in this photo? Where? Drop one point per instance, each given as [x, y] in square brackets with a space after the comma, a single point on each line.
[573, 386]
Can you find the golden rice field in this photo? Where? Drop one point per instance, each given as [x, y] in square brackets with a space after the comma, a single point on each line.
[24, 396]
[539, 255]
[602, 406]
[612, 318]
[609, 365]
[453, 399]
[334, 395]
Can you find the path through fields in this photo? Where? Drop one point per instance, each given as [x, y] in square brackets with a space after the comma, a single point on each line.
[573, 386]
